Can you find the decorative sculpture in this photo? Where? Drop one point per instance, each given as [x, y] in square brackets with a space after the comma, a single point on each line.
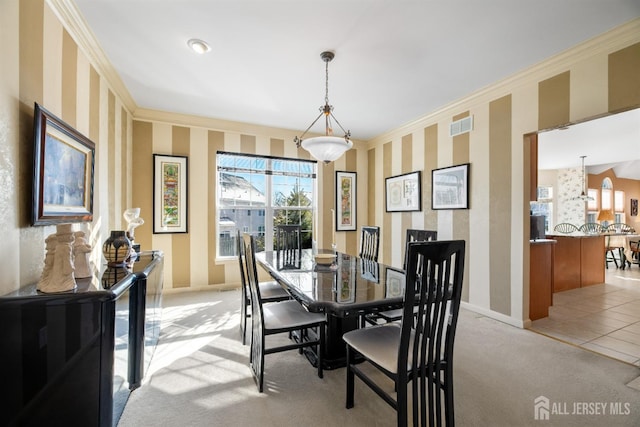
[60, 278]
[132, 216]
[81, 255]
[50, 243]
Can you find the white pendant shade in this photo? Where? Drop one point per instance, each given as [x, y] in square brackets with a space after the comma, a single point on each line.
[326, 148]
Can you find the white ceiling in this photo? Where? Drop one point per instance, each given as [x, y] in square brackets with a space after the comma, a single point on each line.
[396, 60]
[607, 142]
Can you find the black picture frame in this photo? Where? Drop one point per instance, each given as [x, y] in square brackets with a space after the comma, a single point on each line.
[170, 194]
[63, 171]
[403, 193]
[346, 201]
[450, 187]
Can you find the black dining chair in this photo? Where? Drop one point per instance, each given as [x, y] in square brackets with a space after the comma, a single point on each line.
[288, 245]
[413, 235]
[270, 291]
[418, 351]
[369, 242]
[276, 318]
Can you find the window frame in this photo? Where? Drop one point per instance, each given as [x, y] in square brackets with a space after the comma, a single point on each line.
[268, 209]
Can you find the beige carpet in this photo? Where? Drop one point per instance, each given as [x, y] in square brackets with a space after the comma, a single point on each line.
[199, 376]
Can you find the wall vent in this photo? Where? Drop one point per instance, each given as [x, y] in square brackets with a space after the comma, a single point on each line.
[461, 126]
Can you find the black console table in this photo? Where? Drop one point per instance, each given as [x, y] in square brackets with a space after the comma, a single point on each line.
[73, 358]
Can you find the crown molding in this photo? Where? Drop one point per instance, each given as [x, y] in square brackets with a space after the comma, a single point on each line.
[618, 38]
[221, 125]
[73, 21]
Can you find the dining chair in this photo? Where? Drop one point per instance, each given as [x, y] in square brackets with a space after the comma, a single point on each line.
[369, 242]
[610, 253]
[591, 228]
[565, 228]
[418, 350]
[620, 227]
[276, 318]
[288, 246]
[270, 291]
[413, 235]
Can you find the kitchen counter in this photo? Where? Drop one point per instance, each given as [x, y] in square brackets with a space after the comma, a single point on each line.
[578, 260]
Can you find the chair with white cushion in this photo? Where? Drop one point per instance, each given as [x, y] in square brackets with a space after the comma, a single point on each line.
[270, 291]
[276, 318]
[416, 352]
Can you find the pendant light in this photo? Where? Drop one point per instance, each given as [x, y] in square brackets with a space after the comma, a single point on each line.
[326, 148]
[584, 195]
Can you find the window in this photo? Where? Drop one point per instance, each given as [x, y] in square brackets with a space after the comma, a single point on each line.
[618, 201]
[256, 193]
[606, 201]
[544, 206]
[592, 203]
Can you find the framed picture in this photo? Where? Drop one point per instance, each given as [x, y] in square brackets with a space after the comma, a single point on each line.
[345, 201]
[63, 161]
[634, 207]
[394, 284]
[450, 187]
[169, 194]
[403, 193]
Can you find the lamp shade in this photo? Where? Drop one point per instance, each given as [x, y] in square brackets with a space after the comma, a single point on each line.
[606, 215]
[326, 148]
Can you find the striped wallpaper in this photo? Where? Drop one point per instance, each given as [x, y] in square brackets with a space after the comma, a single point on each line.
[495, 272]
[57, 74]
[59, 69]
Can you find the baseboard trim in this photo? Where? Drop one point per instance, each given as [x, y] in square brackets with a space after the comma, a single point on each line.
[497, 316]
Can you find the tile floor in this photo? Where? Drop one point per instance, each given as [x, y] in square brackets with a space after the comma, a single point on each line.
[602, 318]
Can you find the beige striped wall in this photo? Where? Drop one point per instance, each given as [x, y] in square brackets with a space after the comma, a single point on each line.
[596, 78]
[191, 257]
[42, 63]
[53, 66]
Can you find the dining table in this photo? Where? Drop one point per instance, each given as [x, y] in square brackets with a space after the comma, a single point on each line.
[345, 289]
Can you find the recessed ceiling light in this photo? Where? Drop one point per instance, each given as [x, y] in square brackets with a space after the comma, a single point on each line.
[198, 46]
